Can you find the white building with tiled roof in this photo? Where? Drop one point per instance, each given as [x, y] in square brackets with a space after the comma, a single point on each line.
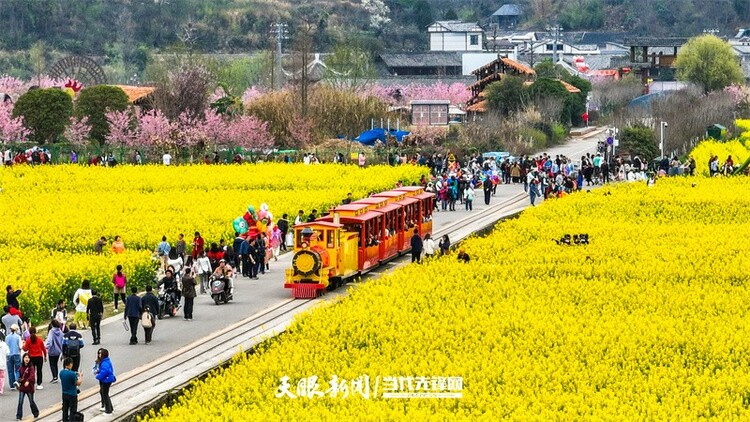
[455, 36]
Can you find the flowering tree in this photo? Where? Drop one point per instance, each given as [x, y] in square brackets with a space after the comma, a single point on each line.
[427, 135]
[250, 133]
[252, 93]
[190, 131]
[12, 86]
[456, 93]
[120, 130]
[301, 131]
[378, 11]
[16, 87]
[215, 128]
[155, 130]
[11, 129]
[78, 130]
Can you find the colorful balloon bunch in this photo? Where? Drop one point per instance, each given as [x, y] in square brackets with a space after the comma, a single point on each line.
[253, 223]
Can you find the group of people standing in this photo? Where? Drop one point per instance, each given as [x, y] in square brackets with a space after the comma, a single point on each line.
[24, 351]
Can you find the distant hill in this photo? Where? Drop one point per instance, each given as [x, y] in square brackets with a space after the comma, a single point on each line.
[127, 30]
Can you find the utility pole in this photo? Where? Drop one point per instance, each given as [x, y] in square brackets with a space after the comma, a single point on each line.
[554, 48]
[279, 30]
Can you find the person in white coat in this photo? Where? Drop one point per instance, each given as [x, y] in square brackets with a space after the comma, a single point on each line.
[429, 246]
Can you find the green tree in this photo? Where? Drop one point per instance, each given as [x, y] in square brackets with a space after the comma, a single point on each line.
[709, 62]
[507, 95]
[582, 14]
[95, 102]
[575, 104]
[450, 15]
[546, 69]
[45, 112]
[641, 141]
[552, 99]
[422, 14]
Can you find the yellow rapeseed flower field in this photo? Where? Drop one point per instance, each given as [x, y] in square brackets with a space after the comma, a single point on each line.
[649, 321]
[52, 215]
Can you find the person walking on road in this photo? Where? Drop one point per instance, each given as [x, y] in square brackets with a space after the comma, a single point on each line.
[150, 303]
[60, 314]
[119, 281]
[72, 345]
[487, 187]
[469, 197]
[533, 189]
[13, 341]
[70, 380]
[54, 346]
[95, 312]
[105, 374]
[237, 247]
[36, 350]
[246, 258]
[198, 244]
[204, 264]
[81, 300]
[133, 311]
[416, 247]
[25, 385]
[283, 225]
[163, 249]
[181, 246]
[188, 292]
[9, 319]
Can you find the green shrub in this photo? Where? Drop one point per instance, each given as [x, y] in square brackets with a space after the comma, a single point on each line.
[45, 112]
[537, 138]
[559, 133]
[95, 102]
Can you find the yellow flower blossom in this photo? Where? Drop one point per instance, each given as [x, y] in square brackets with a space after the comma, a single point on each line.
[52, 215]
[648, 322]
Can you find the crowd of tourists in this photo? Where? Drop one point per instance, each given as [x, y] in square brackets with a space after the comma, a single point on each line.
[24, 352]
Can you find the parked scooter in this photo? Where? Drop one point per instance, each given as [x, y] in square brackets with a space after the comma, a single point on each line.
[221, 289]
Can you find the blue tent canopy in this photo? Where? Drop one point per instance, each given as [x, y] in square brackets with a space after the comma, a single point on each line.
[369, 137]
[645, 100]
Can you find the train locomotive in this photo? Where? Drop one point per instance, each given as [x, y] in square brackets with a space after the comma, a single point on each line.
[355, 238]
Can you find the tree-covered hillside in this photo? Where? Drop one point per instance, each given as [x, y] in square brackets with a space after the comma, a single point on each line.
[126, 32]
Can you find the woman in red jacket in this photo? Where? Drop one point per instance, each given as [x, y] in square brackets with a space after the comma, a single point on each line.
[215, 254]
[38, 354]
[25, 385]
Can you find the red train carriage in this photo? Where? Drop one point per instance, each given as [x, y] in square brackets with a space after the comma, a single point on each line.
[356, 238]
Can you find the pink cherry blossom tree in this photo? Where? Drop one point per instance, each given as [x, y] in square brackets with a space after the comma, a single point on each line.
[400, 95]
[11, 129]
[252, 93]
[250, 133]
[120, 129]
[12, 86]
[215, 129]
[155, 130]
[77, 131]
[301, 131]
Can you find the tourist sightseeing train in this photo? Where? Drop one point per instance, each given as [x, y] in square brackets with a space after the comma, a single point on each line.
[355, 238]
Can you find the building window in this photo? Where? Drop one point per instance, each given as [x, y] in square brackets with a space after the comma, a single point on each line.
[474, 39]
